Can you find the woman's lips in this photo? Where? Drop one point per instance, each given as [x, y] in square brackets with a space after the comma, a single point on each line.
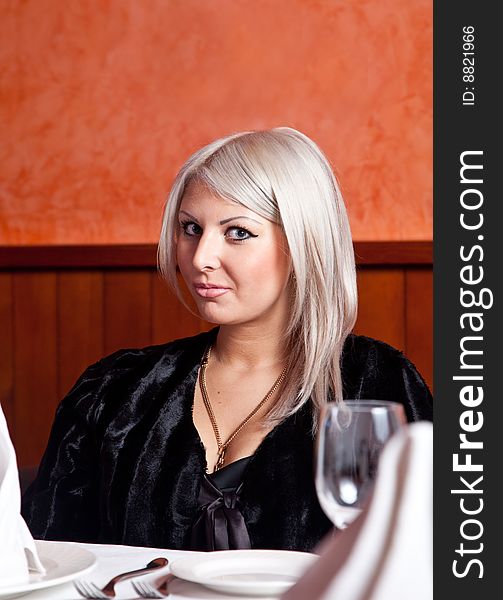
[210, 291]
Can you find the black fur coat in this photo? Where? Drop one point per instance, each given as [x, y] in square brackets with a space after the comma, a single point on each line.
[124, 462]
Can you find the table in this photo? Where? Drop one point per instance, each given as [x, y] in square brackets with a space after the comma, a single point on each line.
[112, 560]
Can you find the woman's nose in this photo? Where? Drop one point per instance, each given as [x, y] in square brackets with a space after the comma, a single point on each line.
[207, 254]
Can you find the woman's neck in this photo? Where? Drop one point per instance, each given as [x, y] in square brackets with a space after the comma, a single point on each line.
[249, 347]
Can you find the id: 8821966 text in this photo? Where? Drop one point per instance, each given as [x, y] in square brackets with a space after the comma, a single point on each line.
[468, 65]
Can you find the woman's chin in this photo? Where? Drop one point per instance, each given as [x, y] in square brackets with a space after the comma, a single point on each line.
[214, 315]
[218, 317]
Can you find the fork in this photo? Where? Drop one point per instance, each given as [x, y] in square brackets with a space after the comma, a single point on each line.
[88, 589]
[145, 590]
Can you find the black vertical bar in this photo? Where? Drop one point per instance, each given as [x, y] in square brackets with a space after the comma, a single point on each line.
[468, 270]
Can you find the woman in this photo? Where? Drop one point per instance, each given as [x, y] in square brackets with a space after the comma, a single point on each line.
[207, 442]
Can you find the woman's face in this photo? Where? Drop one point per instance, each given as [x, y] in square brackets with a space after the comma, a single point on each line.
[234, 262]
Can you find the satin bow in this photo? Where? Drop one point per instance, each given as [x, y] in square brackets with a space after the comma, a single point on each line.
[220, 521]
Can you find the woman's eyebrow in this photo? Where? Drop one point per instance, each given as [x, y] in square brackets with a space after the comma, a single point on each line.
[225, 220]
[239, 217]
[189, 215]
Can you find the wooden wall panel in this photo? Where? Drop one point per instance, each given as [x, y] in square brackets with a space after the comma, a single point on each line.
[55, 322]
[127, 310]
[81, 332]
[419, 320]
[381, 310]
[35, 362]
[6, 350]
[170, 319]
[134, 256]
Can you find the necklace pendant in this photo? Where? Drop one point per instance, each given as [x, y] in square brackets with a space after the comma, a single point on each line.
[220, 459]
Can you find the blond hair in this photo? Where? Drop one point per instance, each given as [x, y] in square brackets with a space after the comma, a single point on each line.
[283, 176]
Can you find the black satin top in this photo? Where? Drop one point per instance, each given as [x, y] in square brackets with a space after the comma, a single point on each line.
[125, 464]
[220, 524]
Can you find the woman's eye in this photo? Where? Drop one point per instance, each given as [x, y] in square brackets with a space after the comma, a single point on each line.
[191, 228]
[239, 233]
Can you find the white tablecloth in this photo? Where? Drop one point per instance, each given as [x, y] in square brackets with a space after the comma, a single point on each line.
[112, 560]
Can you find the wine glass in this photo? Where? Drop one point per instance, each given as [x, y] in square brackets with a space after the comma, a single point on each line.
[350, 439]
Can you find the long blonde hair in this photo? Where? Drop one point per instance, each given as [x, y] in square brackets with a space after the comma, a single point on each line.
[283, 176]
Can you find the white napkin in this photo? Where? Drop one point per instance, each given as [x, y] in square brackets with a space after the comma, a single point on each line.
[387, 553]
[18, 554]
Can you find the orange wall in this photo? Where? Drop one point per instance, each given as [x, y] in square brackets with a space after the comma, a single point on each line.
[102, 100]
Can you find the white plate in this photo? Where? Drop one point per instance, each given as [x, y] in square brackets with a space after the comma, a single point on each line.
[63, 561]
[245, 572]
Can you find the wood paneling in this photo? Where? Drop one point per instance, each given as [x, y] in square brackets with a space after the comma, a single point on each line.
[394, 253]
[76, 257]
[35, 362]
[80, 319]
[381, 306]
[55, 322]
[145, 255]
[128, 308]
[170, 319]
[419, 320]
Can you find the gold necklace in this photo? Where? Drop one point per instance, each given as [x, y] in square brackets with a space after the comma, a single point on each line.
[222, 447]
